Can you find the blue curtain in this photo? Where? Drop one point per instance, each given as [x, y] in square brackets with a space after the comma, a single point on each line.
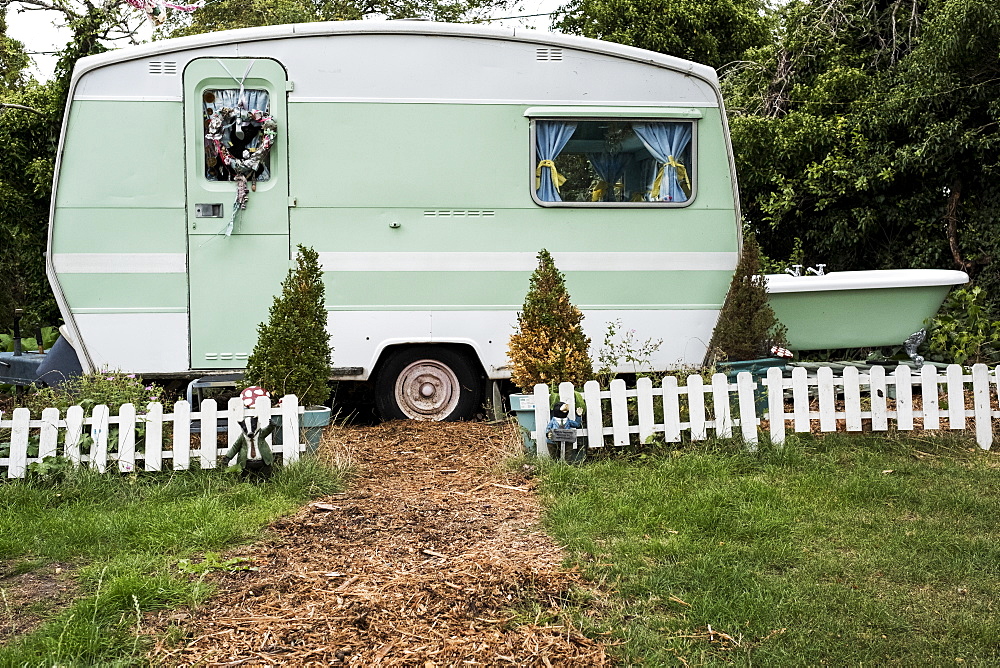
[550, 139]
[639, 176]
[230, 97]
[667, 142]
[610, 167]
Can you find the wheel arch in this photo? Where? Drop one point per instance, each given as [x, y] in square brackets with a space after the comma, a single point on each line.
[467, 349]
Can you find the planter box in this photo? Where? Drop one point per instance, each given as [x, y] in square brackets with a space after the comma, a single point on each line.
[311, 424]
[758, 369]
[523, 406]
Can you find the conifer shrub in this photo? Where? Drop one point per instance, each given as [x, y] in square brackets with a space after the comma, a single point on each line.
[549, 345]
[293, 355]
[747, 327]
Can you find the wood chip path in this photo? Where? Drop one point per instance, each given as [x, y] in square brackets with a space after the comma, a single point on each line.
[433, 557]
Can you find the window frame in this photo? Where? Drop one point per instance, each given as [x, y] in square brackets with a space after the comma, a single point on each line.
[637, 114]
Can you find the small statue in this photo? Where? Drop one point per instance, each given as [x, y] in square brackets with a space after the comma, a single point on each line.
[251, 450]
[561, 420]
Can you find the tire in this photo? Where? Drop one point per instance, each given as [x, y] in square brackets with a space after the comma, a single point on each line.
[428, 383]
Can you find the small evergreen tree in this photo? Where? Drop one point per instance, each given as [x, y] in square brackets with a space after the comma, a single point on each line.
[747, 327]
[549, 345]
[292, 355]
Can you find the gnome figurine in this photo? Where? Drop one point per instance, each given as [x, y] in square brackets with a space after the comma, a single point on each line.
[560, 420]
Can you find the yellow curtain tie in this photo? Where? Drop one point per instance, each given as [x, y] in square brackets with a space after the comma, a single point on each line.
[682, 177]
[597, 195]
[557, 178]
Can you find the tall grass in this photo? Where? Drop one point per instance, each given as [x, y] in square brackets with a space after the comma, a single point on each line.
[841, 551]
[126, 533]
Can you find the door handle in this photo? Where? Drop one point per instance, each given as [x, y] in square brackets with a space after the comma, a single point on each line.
[208, 210]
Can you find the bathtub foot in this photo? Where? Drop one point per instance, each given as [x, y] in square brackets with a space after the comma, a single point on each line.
[911, 344]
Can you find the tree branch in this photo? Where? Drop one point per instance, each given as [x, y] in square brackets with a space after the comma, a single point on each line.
[951, 218]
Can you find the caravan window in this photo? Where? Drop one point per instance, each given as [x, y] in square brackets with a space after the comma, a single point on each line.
[234, 122]
[625, 162]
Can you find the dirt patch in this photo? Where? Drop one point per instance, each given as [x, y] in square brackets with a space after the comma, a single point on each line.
[433, 558]
[30, 597]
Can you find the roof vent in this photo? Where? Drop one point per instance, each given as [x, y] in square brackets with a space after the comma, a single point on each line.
[163, 67]
[545, 53]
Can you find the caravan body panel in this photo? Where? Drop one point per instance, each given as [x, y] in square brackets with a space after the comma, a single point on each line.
[405, 156]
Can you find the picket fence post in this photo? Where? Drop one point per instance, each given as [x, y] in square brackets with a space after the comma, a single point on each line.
[956, 397]
[208, 452]
[17, 462]
[48, 438]
[720, 402]
[878, 389]
[644, 398]
[776, 405]
[671, 410]
[182, 436]
[99, 427]
[981, 405]
[748, 409]
[619, 413]
[153, 453]
[696, 407]
[929, 396]
[74, 431]
[126, 438]
[852, 398]
[904, 398]
[541, 419]
[595, 424]
[290, 434]
[800, 399]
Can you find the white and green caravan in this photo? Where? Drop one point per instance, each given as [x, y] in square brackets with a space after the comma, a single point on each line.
[426, 163]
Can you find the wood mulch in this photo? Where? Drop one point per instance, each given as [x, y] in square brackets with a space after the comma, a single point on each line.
[434, 557]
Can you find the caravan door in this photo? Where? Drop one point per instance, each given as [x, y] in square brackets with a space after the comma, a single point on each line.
[237, 258]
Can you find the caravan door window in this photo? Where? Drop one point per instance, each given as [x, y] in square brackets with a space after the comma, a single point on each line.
[233, 120]
[606, 162]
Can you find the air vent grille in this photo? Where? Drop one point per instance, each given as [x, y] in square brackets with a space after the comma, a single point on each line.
[458, 213]
[163, 67]
[544, 53]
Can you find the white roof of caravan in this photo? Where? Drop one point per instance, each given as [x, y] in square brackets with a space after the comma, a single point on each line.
[287, 31]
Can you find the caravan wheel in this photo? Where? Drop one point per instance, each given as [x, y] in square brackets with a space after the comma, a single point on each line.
[428, 383]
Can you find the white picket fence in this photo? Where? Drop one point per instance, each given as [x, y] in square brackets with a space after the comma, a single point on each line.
[121, 452]
[853, 401]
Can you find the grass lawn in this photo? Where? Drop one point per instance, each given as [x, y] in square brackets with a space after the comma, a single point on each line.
[842, 550]
[120, 540]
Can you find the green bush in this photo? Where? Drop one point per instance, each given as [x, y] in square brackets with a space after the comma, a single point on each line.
[549, 345]
[747, 327]
[113, 388]
[293, 354]
[964, 331]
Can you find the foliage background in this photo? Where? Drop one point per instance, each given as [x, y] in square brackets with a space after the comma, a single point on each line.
[864, 130]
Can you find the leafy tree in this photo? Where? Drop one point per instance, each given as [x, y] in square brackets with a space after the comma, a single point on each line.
[229, 14]
[869, 130]
[29, 140]
[714, 32]
[549, 345]
[292, 355]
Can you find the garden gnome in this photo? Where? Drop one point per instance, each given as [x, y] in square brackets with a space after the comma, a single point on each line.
[250, 448]
[561, 420]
